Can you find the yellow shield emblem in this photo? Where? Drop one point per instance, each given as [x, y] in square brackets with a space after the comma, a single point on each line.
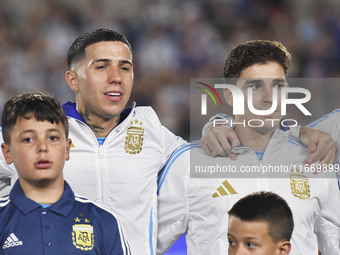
[299, 186]
[83, 237]
[134, 139]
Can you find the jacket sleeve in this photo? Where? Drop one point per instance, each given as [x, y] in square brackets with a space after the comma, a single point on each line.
[172, 199]
[8, 173]
[171, 143]
[329, 123]
[327, 225]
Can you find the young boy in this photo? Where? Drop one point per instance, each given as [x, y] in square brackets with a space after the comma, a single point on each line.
[42, 215]
[260, 223]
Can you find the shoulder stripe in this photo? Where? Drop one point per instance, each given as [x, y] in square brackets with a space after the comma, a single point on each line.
[323, 118]
[178, 152]
[125, 244]
[81, 197]
[172, 159]
[5, 203]
[4, 198]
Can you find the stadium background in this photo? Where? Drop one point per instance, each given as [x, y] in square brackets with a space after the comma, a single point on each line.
[172, 41]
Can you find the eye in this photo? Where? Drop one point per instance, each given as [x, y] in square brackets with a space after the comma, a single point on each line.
[125, 68]
[279, 85]
[27, 139]
[100, 67]
[255, 86]
[251, 245]
[53, 138]
[231, 243]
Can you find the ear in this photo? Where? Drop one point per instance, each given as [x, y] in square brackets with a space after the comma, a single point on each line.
[6, 152]
[71, 79]
[68, 147]
[228, 97]
[284, 247]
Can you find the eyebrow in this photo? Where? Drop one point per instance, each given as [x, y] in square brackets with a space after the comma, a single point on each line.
[110, 61]
[279, 80]
[253, 81]
[261, 80]
[126, 62]
[34, 131]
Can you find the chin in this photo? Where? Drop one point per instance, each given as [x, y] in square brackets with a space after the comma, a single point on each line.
[114, 112]
[265, 129]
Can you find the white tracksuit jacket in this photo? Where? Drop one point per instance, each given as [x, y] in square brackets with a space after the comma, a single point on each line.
[199, 206]
[122, 173]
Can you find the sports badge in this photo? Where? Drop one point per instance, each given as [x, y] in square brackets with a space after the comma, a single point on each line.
[134, 137]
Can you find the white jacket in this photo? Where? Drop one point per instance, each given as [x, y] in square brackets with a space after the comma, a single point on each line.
[199, 206]
[122, 173]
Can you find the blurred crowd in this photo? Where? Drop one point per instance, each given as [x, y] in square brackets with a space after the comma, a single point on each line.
[172, 41]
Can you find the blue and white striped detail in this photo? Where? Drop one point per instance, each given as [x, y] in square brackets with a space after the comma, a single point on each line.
[172, 159]
[323, 118]
[151, 233]
[4, 201]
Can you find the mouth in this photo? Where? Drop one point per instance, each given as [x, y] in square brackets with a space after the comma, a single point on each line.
[43, 164]
[272, 114]
[114, 96]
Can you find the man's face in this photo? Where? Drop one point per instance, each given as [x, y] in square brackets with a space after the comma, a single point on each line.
[104, 80]
[38, 150]
[250, 238]
[262, 78]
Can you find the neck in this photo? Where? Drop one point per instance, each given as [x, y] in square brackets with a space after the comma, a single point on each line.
[252, 138]
[101, 127]
[51, 192]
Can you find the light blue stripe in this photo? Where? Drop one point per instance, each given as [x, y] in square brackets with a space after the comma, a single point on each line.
[170, 162]
[314, 123]
[179, 150]
[173, 154]
[150, 232]
[259, 154]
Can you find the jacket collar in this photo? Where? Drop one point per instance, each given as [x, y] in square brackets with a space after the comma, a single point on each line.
[278, 138]
[26, 205]
[71, 111]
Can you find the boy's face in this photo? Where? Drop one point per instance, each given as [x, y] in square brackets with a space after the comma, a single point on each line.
[262, 78]
[253, 238]
[103, 80]
[38, 150]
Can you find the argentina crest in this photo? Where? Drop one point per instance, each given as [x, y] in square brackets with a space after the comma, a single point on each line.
[299, 185]
[134, 137]
[82, 235]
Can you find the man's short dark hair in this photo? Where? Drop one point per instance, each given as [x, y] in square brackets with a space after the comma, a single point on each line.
[266, 207]
[38, 105]
[77, 49]
[255, 52]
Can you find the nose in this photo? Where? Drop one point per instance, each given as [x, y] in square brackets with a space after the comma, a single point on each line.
[42, 147]
[267, 95]
[235, 250]
[115, 76]
[239, 251]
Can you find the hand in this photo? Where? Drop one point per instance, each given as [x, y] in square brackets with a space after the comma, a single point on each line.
[219, 141]
[320, 144]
